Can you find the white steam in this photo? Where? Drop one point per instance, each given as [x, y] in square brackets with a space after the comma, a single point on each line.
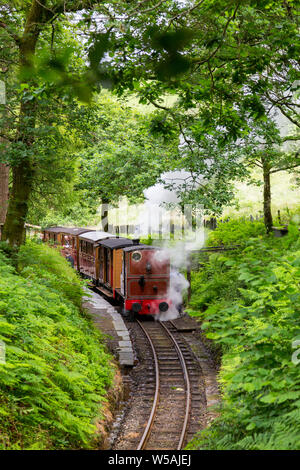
[178, 284]
[156, 217]
[179, 256]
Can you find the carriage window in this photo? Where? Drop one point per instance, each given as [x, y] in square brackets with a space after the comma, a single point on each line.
[136, 256]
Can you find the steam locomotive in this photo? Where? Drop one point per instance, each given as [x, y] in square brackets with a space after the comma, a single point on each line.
[137, 276]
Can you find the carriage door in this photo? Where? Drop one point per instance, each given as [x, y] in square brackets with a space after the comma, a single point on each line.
[101, 263]
[107, 266]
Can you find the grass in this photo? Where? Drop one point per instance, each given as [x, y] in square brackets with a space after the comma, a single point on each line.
[285, 196]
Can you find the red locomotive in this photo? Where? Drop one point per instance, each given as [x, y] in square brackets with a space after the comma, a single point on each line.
[137, 276]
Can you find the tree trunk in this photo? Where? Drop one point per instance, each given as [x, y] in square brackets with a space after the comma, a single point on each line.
[14, 227]
[4, 175]
[14, 230]
[104, 214]
[4, 181]
[268, 220]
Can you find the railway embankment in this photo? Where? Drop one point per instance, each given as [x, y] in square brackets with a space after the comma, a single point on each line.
[247, 303]
[56, 373]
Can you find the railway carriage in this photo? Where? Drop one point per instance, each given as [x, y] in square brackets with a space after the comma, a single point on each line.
[110, 264]
[53, 235]
[69, 239]
[89, 260]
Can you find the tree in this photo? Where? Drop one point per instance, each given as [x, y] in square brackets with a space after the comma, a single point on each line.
[4, 180]
[214, 163]
[269, 155]
[30, 26]
[226, 61]
[229, 62]
[127, 156]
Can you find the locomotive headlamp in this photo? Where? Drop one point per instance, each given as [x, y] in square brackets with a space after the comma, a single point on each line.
[136, 256]
[163, 306]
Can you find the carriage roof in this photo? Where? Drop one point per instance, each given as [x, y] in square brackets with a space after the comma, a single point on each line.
[96, 236]
[115, 243]
[75, 230]
[55, 229]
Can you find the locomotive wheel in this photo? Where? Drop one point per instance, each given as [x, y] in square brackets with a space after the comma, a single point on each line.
[129, 315]
[132, 316]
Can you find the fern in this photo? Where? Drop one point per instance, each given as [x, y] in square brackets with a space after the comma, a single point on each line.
[250, 302]
[57, 369]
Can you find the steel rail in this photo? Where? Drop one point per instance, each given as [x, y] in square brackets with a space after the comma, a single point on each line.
[188, 387]
[143, 442]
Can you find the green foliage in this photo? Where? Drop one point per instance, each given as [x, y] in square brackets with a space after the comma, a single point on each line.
[43, 263]
[57, 370]
[230, 64]
[249, 303]
[208, 56]
[126, 157]
[235, 232]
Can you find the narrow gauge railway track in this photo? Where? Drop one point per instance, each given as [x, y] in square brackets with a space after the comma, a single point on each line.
[175, 411]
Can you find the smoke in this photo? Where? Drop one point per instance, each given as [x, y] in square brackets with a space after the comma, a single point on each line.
[162, 205]
[178, 285]
[155, 217]
[179, 256]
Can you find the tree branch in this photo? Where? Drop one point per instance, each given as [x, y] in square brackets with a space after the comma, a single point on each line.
[290, 138]
[284, 112]
[15, 37]
[290, 167]
[203, 61]
[184, 12]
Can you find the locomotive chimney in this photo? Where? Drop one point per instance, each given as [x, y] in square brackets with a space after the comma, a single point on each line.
[136, 241]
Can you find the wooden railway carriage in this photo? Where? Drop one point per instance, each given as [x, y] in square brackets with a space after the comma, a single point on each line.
[53, 235]
[67, 237]
[110, 264]
[89, 253]
[70, 244]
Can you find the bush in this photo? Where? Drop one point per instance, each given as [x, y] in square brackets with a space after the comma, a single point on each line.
[236, 232]
[45, 264]
[57, 370]
[250, 306]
